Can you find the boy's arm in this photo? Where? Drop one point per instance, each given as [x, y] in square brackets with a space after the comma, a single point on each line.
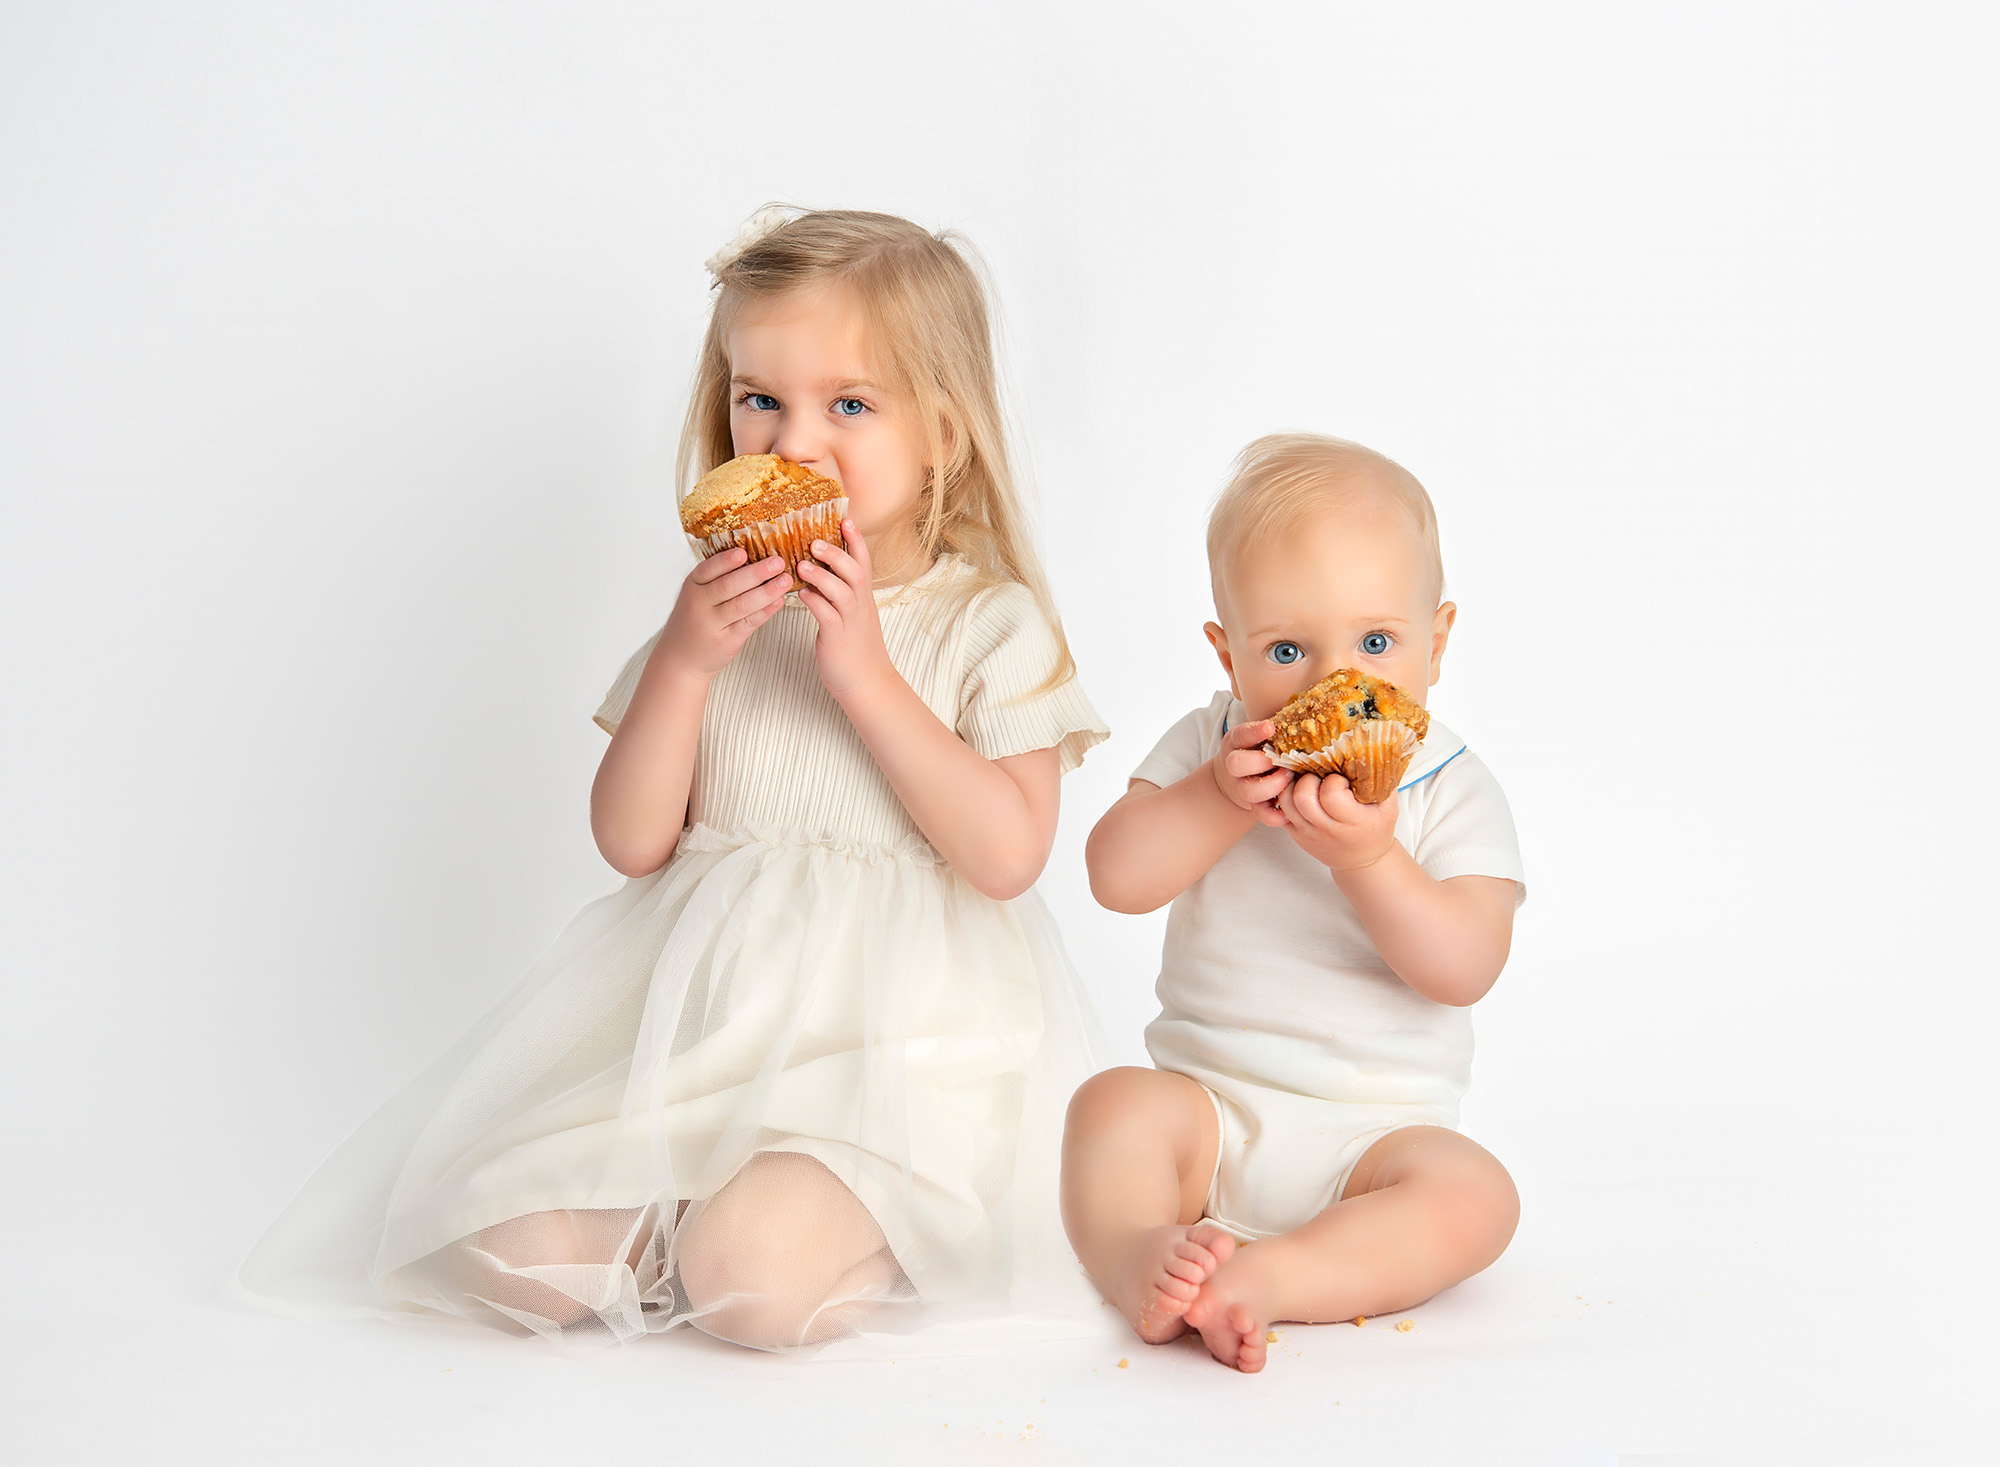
[1447, 939]
[1160, 839]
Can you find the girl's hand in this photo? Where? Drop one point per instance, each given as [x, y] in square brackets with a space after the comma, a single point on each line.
[1245, 774]
[840, 593]
[722, 602]
[1333, 827]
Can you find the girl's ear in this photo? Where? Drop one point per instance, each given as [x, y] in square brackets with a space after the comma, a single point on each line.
[1440, 634]
[1219, 640]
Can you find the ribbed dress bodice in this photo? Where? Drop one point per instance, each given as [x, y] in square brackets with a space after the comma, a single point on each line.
[778, 753]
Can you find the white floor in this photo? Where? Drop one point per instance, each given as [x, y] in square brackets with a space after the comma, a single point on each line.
[1613, 1330]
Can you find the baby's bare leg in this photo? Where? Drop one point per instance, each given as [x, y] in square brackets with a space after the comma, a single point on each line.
[1423, 1209]
[1138, 1152]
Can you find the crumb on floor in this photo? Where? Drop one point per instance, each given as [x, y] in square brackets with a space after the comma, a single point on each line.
[1406, 1325]
[1122, 1364]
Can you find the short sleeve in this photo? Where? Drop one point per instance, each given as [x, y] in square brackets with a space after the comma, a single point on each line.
[1003, 706]
[1186, 746]
[611, 712]
[1468, 829]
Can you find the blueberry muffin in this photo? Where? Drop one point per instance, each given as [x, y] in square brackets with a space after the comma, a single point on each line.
[1351, 724]
[768, 505]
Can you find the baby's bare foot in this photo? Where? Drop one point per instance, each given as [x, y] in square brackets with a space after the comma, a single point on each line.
[1235, 1307]
[1161, 1274]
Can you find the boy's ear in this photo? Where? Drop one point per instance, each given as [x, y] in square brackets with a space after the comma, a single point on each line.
[1219, 640]
[1447, 613]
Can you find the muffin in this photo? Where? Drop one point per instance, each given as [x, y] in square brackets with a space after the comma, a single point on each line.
[766, 504]
[1351, 724]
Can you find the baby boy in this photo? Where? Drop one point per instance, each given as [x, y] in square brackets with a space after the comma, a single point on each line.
[1294, 1156]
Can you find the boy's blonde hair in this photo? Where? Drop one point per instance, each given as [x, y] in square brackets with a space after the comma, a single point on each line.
[929, 332]
[1281, 479]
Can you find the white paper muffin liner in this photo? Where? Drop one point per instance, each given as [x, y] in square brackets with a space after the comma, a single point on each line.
[1372, 755]
[790, 535]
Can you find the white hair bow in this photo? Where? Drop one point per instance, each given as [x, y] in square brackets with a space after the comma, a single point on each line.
[766, 220]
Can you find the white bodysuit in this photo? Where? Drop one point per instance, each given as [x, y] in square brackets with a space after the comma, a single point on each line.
[1273, 998]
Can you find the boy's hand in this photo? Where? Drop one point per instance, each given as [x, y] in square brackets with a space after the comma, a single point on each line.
[722, 602]
[1333, 827]
[1245, 774]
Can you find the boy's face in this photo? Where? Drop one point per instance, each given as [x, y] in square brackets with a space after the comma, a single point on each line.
[1346, 587]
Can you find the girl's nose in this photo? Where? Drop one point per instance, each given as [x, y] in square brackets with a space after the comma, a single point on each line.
[797, 441]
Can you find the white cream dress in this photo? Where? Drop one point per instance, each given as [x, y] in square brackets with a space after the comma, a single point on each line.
[804, 984]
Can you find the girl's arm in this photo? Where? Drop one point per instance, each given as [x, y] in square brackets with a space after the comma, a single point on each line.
[638, 802]
[1159, 840]
[994, 820]
[1446, 939]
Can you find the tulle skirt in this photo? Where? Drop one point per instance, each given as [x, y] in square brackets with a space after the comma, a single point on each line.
[804, 1095]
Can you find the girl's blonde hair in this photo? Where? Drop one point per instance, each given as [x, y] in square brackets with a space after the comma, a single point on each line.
[930, 334]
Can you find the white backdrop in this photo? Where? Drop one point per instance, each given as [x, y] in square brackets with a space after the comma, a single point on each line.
[342, 354]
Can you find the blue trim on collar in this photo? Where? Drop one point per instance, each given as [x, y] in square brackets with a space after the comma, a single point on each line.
[1422, 777]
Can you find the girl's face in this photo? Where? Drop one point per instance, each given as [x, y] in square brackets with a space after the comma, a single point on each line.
[801, 385]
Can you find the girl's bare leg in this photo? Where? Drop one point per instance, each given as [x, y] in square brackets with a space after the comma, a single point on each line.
[784, 1255]
[1138, 1152]
[495, 1266]
[1423, 1209]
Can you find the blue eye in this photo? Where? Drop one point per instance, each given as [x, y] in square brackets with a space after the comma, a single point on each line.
[1285, 653]
[759, 402]
[849, 407]
[1375, 643]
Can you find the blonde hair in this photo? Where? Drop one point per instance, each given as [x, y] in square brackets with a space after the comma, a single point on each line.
[929, 332]
[1281, 479]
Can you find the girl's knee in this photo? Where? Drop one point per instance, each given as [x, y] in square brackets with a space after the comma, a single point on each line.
[760, 1285]
[726, 1257]
[765, 1258]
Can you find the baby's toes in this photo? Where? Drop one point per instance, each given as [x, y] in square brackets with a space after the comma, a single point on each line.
[1204, 1308]
[1180, 1290]
[1189, 1251]
[1213, 1241]
[1194, 1270]
[1250, 1353]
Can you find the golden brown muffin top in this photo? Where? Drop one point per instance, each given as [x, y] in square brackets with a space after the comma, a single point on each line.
[1319, 715]
[749, 490]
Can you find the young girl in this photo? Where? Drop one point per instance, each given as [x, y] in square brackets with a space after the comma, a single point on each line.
[802, 1079]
